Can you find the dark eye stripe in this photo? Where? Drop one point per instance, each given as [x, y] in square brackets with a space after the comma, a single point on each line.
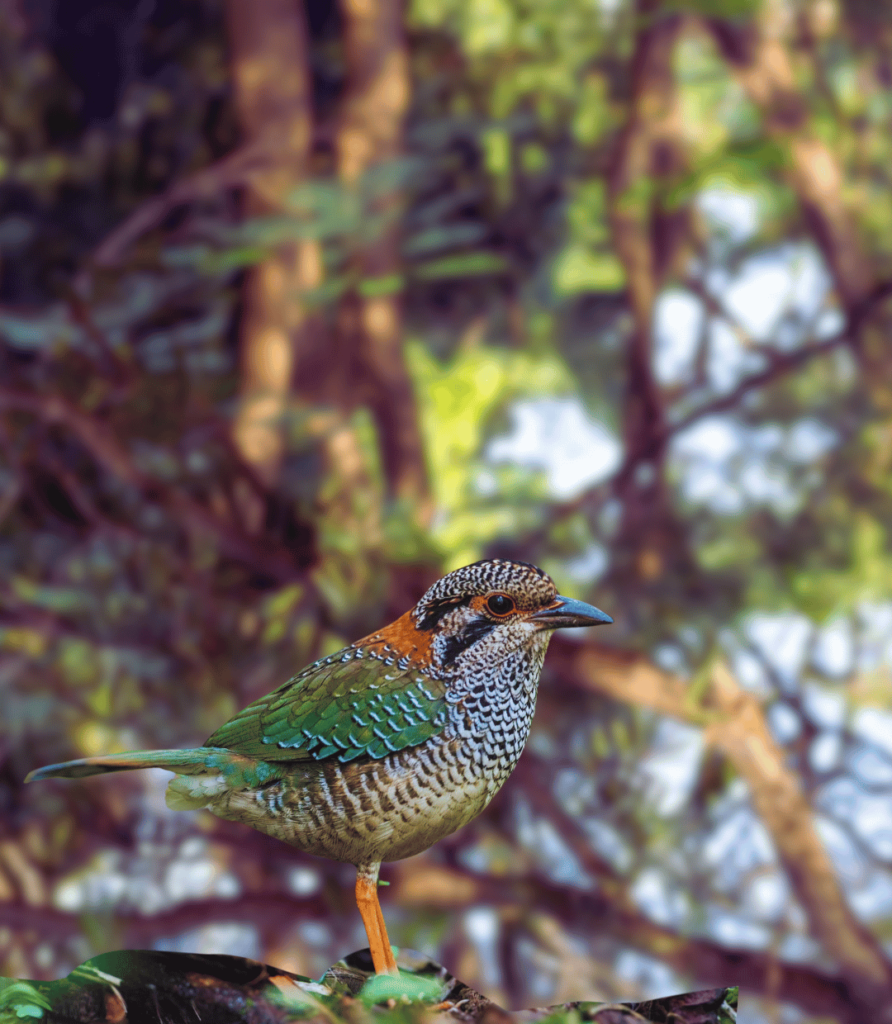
[470, 634]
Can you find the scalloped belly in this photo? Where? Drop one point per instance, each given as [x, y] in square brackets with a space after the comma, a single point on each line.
[379, 810]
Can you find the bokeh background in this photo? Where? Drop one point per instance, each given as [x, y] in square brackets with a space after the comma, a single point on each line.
[302, 304]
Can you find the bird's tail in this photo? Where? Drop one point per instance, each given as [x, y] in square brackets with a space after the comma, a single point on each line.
[198, 761]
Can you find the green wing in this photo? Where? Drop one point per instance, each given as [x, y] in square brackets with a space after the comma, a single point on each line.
[348, 705]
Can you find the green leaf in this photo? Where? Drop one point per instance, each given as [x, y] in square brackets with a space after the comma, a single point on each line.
[20, 999]
[404, 987]
[443, 236]
[472, 264]
[372, 287]
[577, 269]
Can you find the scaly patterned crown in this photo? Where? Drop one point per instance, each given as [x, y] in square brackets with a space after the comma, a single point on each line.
[529, 586]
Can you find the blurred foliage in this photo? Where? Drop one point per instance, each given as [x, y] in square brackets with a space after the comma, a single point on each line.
[138, 608]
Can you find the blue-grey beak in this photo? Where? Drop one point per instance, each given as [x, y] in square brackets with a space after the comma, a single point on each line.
[567, 611]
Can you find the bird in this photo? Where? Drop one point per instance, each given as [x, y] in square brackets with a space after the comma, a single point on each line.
[378, 751]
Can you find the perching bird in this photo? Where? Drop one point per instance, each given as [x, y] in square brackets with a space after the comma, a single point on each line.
[376, 752]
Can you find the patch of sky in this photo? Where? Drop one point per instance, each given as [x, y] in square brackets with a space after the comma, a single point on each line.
[799, 948]
[482, 928]
[539, 967]
[193, 874]
[648, 977]
[541, 744]
[746, 668]
[557, 859]
[151, 880]
[44, 957]
[486, 483]
[784, 723]
[729, 211]
[771, 292]
[868, 891]
[738, 845]
[874, 636]
[678, 323]
[304, 881]
[733, 930]
[103, 885]
[853, 821]
[609, 8]
[807, 440]
[728, 360]
[825, 752]
[573, 789]
[558, 436]
[872, 901]
[778, 297]
[727, 466]
[314, 933]
[870, 767]
[670, 768]
[236, 938]
[670, 658]
[784, 641]
[871, 818]
[588, 566]
[701, 454]
[660, 897]
[608, 843]
[826, 709]
[766, 896]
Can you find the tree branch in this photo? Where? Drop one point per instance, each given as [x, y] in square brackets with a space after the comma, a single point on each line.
[422, 884]
[371, 134]
[109, 453]
[760, 59]
[734, 724]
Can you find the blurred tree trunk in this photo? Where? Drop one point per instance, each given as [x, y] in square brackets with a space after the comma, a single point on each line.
[371, 131]
[759, 56]
[759, 53]
[648, 240]
[270, 72]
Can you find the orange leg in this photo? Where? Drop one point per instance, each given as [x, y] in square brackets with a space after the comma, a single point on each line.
[373, 919]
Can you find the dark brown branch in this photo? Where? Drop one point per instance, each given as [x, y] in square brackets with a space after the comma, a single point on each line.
[141, 930]
[234, 170]
[104, 447]
[780, 364]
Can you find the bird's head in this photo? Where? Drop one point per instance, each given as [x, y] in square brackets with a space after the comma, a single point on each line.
[492, 610]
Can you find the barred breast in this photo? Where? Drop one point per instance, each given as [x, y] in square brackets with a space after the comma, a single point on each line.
[383, 809]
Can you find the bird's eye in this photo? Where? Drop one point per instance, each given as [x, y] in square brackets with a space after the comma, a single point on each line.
[500, 604]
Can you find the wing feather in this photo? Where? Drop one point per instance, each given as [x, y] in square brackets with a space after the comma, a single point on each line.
[348, 705]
